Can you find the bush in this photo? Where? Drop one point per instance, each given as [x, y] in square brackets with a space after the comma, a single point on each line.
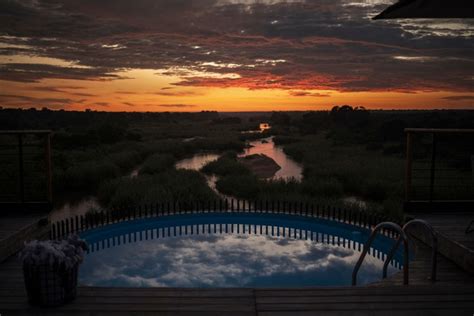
[86, 177]
[126, 160]
[157, 163]
[376, 190]
[323, 187]
[227, 164]
[241, 186]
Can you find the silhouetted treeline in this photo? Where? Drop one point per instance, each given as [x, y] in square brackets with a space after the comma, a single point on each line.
[348, 124]
[43, 119]
[75, 129]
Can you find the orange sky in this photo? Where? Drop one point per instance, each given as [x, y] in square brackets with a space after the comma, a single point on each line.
[147, 90]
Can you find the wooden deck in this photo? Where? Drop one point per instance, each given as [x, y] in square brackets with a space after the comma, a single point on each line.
[332, 301]
[15, 230]
[452, 294]
[448, 273]
[453, 242]
[452, 225]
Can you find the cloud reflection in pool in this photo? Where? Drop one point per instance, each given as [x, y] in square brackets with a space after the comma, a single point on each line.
[229, 259]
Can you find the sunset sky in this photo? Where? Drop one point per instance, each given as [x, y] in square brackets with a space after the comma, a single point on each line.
[229, 55]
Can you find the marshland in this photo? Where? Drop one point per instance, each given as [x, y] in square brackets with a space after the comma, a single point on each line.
[348, 155]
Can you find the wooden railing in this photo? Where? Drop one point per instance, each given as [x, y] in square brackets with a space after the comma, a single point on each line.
[25, 161]
[439, 169]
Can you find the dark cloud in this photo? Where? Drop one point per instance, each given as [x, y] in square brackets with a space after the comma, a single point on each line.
[268, 44]
[82, 94]
[36, 72]
[178, 93]
[63, 89]
[459, 98]
[26, 101]
[105, 104]
[308, 94]
[177, 105]
[126, 92]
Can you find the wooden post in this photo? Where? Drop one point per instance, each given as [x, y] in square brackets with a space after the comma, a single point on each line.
[49, 175]
[20, 168]
[408, 168]
[432, 169]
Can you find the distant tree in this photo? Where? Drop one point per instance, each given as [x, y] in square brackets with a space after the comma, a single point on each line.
[349, 116]
[280, 118]
[228, 120]
[312, 122]
[106, 133]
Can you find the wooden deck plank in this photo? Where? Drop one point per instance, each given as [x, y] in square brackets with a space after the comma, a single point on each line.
[354, 296]
[382, 306]
[15, 230]
[430, 312]
[12, 224]
[452, 225]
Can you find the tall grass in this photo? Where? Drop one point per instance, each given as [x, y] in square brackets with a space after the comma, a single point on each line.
[84, 169]
[125, 160]
[169, 186]
[340, 170]
[85, 177]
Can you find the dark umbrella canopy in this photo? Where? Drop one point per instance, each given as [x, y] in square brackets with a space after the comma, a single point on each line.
[428, 9]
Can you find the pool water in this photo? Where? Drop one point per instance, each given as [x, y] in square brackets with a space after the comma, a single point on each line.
[231, 250]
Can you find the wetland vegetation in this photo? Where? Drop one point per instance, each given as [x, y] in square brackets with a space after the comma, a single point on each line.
[348, 152]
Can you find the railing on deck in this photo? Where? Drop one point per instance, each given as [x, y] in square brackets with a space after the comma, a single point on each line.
[351, 216]
[439, 169]
[26, 177]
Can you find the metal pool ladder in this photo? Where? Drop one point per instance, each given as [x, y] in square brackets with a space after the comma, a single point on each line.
[434, 245]
[367, 245]
[403, 236]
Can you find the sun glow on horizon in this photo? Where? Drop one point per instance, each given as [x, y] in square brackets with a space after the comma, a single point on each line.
[144, 90]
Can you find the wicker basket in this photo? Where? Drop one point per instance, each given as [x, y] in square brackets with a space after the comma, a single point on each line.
[50, 285]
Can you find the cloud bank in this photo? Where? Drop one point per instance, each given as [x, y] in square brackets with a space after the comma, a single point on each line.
[292, 45]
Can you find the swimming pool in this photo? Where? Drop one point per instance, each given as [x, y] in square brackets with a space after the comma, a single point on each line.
[231, 250]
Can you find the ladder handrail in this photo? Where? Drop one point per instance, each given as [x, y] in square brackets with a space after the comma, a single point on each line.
[434, 245]
[373, 234]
